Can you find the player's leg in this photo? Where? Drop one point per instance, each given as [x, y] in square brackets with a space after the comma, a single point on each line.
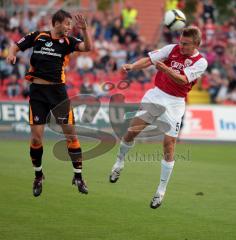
[38, 111]
[136, 126]
[36, 148]
[167, 164]
[75, 153]
[148, 112]
[60, 106]
[36, 153]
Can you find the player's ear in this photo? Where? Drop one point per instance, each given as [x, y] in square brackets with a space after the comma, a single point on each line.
[56, 24]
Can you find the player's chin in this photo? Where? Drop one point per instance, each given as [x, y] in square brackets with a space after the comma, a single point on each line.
[184, 52]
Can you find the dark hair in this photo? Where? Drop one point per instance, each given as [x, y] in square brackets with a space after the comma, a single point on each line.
[60, 16]
[194, 33]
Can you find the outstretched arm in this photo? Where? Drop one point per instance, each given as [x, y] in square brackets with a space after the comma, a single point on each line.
[176, 77]
[86, 45]
[138, 65]
[11, 58]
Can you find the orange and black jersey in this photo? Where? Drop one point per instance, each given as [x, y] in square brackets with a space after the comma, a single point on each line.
[49, 57]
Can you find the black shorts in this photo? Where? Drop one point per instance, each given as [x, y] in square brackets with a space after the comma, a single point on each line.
[49, 99]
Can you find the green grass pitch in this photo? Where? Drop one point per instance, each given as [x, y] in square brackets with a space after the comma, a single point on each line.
[200, 203]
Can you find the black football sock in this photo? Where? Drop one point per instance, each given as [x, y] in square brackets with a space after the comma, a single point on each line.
[76, 158]
[36, 152]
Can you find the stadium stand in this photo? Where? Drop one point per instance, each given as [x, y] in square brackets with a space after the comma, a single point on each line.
[116, 44]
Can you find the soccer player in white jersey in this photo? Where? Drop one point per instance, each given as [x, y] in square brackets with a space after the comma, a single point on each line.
[179, 66]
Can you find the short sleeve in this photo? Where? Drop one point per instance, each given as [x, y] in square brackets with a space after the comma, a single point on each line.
[27, 41]
[73, 42]
[161, 54]
[196, 70]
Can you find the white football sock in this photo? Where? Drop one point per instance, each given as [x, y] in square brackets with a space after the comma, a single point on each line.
[124, 148]
[166, 170]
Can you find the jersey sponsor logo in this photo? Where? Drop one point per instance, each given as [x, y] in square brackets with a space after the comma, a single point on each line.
[48, 44]
[48, 49]
[48, 53]
[177, 65]
[40, 39]
[181, 66]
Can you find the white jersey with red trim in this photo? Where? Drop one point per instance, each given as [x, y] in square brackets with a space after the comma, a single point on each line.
[190, 66]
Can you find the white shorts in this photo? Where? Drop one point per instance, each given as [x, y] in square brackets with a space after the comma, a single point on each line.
[170, 109]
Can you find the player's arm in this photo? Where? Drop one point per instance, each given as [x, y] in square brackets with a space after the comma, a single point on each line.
[86, 45]
[176, 77]
[11, 57]
[138, 65]
[24, 43]
[152, 58]
[191, 73]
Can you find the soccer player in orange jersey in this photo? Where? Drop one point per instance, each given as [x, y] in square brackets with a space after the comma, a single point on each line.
[47, 89]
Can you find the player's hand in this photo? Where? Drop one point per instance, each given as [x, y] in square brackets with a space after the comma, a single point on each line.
[80, 22]
[127, 67]
[161, 66]
[11, 59]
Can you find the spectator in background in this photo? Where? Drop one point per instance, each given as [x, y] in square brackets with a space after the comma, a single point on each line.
[215, 82]
[208, 10]
[171, 4]
[13, 88]
[86, 87]
[118, 52]
[4, 20]
[25, 89]
[5, 68]
[129, 15]
[30, 22]
[14, 21]
[102, 46]
[98, 86]
[222, 92]
[116, 28]
[84, 64]
[209, 30]
[96, 23]
[181, 4]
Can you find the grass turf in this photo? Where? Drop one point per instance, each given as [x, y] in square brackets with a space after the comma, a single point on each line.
[200, 202]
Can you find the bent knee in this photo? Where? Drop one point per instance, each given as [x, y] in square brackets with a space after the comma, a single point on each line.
[36, 140]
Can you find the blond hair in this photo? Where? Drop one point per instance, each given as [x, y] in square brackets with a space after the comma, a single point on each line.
[194, 33]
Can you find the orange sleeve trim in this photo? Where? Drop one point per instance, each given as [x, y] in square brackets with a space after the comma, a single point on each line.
[41, 34]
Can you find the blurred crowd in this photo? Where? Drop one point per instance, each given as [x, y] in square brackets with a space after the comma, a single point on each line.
[117, 41]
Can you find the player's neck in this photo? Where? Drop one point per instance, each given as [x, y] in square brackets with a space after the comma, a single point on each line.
[55, 34]
[195, 52]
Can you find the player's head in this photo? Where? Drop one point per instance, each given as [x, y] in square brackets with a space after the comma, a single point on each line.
[62, 22]
[190, 39]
